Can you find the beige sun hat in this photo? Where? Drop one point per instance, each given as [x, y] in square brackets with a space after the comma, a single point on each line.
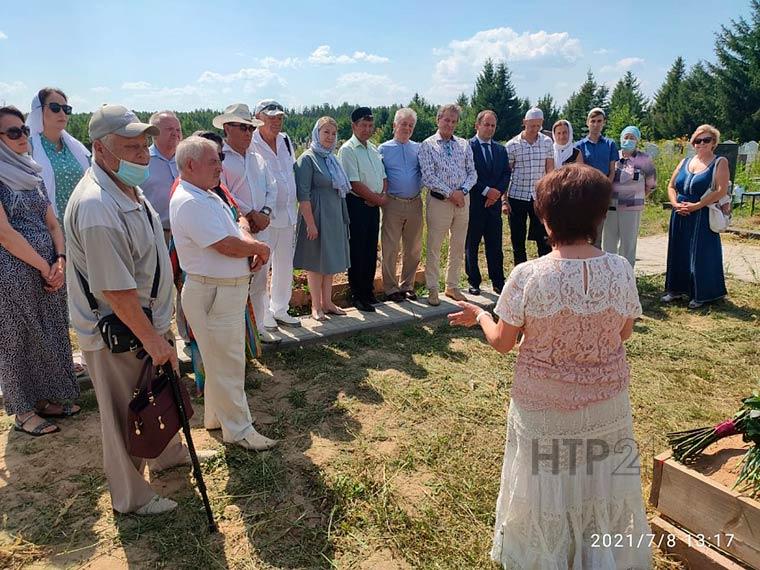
[236, 113]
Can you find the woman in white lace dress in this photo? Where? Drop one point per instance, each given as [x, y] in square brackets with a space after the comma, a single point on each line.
[570, 492]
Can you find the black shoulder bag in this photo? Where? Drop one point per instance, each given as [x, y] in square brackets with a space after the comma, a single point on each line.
[117, 336]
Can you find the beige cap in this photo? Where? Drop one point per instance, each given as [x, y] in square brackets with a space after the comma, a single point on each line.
[118, 120]
[237, 113]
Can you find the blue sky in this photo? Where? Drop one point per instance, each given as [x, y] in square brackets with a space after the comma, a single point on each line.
[185, 55]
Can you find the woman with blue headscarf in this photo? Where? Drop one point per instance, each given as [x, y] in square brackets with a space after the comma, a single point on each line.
[635, 178]
[322, 232]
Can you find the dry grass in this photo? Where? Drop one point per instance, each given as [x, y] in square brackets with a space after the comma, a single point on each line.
[390, 456]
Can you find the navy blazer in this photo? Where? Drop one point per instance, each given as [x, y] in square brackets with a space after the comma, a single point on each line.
[495, 177]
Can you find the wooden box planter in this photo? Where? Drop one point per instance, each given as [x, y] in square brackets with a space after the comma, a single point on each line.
[711, 525]
[301, 298]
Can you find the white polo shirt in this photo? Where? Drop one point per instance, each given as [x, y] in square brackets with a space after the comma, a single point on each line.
[199, 219]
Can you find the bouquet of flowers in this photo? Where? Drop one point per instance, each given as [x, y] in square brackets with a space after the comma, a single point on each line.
[688, 445]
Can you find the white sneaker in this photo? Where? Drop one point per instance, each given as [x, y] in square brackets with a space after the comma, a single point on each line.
[156, 506]
[287, 320]
[268, 338]
[256, 442]
[269, 323]
[670, 297]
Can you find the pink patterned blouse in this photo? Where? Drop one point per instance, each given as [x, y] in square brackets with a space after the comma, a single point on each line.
[572, 312]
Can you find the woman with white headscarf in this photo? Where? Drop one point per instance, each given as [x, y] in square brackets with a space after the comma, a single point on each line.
[564, 149]
[322, 231]
[63, 158]
[36, 372]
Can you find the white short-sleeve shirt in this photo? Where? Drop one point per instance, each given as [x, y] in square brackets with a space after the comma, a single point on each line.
[199, 219]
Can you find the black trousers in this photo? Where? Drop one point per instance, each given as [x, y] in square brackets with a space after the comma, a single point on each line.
[521, 211]
[485, 224]
[364, 230]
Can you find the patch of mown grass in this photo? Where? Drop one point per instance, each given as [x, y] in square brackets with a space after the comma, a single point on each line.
[392, 443]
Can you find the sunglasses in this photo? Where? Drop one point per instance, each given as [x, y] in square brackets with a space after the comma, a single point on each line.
[221, 157]
[273, 107]
[243, 127]
[15, 133]
[703, 140]
[57, 108]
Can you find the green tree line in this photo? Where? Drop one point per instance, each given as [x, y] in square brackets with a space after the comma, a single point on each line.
[725, 93]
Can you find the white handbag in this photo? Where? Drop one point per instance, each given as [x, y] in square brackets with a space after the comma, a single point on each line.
[719, 221]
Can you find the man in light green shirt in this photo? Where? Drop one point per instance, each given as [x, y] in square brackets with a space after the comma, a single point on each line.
[365, 170]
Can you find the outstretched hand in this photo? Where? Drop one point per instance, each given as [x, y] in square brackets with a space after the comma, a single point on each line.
[466, 317]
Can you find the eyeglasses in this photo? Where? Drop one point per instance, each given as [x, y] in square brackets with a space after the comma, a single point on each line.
[702, 140]
[15, 133]
[243, 127]
[274, 107]
[57, 108]
[221, 157]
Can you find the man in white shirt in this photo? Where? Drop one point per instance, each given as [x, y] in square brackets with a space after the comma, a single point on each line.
[214, 251]
[277, 151]
[248, 179]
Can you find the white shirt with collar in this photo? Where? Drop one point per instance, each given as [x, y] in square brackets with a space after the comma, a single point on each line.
[249, 180]
[285, 212]
[193, 240]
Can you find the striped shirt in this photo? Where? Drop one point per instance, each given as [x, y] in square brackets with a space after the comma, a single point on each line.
[528, 164]
[447, 165]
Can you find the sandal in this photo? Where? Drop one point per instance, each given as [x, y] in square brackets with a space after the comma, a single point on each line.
[38, 431]
[67, 411]
[80, 370]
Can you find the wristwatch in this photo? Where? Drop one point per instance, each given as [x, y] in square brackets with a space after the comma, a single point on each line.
[266, 210]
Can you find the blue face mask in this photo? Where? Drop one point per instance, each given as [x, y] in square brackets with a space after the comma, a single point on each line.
[628, 145]
[130, 173]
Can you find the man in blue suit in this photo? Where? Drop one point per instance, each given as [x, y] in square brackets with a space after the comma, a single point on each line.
[492, 166]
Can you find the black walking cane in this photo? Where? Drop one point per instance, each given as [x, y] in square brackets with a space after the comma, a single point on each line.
[174, 381]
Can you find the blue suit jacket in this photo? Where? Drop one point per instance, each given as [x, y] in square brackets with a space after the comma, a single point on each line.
[497, 176]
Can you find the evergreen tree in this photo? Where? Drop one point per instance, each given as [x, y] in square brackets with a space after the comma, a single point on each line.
[628, 92]
[426, 117]
[620, 117]
[738, 75]
[667, 116]
[591, 94]
[466, 126]
[551, 111]
[494, 90]
[698, 99]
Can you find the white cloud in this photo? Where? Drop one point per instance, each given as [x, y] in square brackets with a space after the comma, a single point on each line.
[251, 75]
[622, 65]
[463, 59]
[323, 56]
[136, 85]
[100, 89]
[270, 62]
[10, 88]
[602, 51]
[3, 36]
[367, 89]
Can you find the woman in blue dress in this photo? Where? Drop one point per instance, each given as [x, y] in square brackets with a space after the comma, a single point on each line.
[695, 257]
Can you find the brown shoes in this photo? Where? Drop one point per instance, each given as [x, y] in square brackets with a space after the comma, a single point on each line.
[455, 294]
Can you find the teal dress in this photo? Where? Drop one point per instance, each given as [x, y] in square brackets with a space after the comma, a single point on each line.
[67, 170]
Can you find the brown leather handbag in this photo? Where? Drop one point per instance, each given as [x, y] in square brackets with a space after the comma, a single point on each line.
[153, 418]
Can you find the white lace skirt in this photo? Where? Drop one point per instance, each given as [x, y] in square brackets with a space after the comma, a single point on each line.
[570, 493]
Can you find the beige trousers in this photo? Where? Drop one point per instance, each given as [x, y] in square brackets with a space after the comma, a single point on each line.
[114, 377]
[444, 219]
[216, 314]
[401, 229]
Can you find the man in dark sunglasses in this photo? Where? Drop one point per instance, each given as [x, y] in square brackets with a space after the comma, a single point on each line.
[247, 178]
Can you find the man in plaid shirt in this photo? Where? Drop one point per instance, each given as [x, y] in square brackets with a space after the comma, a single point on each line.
[530, 157]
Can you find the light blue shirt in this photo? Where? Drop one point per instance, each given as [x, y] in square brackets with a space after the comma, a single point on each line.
[163, 172]
[402, 166]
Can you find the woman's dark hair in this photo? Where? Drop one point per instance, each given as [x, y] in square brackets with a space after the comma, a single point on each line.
[46, 92]
[11, 110]
[210, 135]
[573, 201]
